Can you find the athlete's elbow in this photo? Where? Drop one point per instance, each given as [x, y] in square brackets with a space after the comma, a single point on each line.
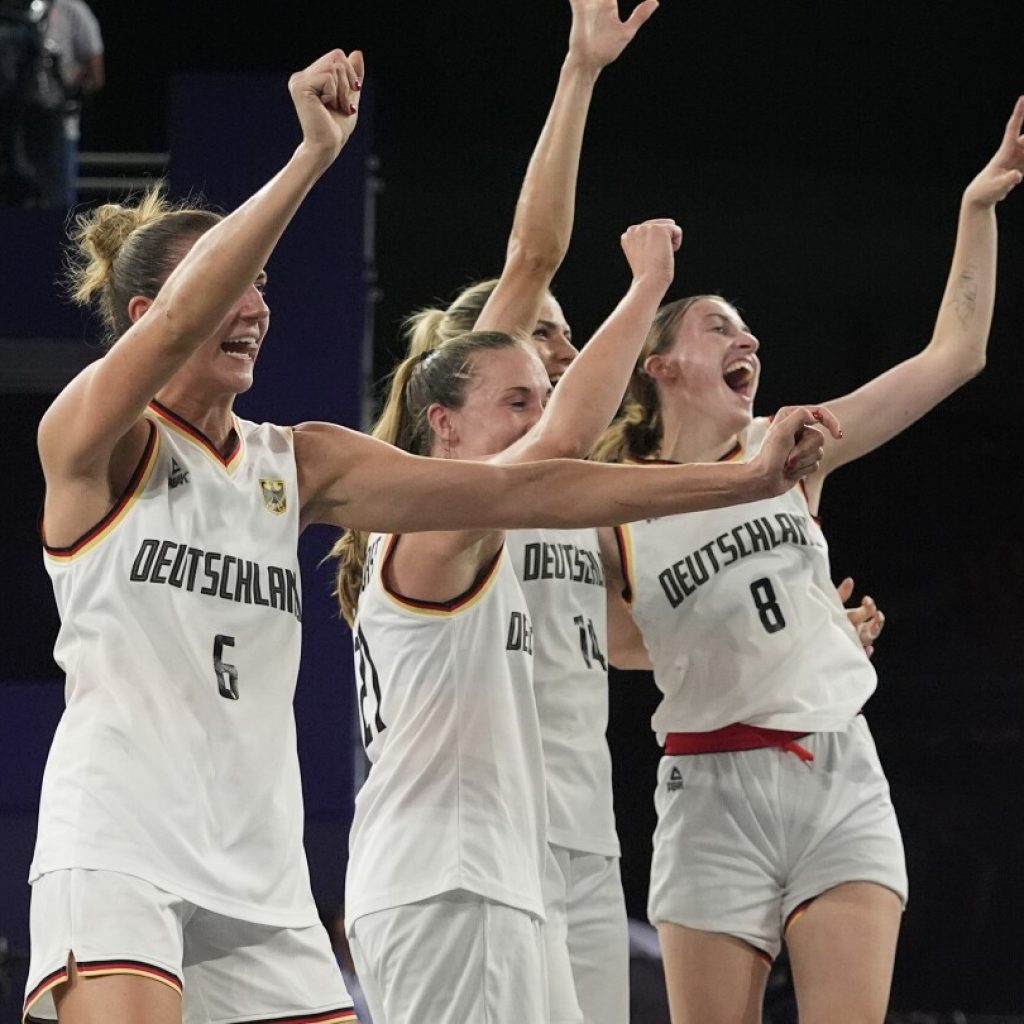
[967, 368]
[975, 367]
[536, 258]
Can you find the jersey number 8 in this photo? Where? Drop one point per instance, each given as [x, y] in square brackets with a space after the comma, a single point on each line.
[767, 605]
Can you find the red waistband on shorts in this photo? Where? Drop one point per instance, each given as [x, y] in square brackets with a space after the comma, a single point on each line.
[737, 736]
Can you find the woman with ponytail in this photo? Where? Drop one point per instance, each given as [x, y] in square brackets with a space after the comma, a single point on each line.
[585, 928]
[448, 846]
[170, 526]
[774, 817]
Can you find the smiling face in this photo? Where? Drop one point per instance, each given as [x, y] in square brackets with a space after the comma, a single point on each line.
[710, 367]
[503, 399]
[225, 362]
[552, 338]
[228, 359]
[222, 366]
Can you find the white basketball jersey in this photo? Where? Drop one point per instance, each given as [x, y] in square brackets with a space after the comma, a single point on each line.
[737, 609]
[562, 578]
[175, 759]
[455, 794]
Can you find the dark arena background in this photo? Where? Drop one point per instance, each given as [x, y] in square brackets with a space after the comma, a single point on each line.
[814, 154]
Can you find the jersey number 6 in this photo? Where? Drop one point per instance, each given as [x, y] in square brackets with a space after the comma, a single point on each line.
[227, 675]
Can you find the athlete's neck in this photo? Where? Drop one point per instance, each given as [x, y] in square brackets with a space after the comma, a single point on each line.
[215, 422]
[695, 439]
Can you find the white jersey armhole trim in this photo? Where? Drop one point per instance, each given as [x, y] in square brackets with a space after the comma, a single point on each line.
[440, 609]
[95, 536]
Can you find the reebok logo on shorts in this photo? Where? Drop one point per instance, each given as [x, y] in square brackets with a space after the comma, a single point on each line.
[675, 780]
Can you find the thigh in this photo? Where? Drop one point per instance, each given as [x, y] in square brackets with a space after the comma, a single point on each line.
[712, 978]
[454, 959]
[104, 947]
[114, 998]
[239, 971]
[842, 948]
[598, 936]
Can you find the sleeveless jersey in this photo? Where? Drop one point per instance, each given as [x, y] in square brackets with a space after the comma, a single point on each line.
[562, 578]
[454, 798]
[175, 760]
[738, 611]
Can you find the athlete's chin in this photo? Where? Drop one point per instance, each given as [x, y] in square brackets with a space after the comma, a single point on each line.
[239, 384]
[741, 414]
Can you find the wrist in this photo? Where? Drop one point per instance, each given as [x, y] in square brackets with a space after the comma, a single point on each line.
[972, 202]
[315, 157]
[755, 482]
[578, 67]
[978, 197]
[652, 283]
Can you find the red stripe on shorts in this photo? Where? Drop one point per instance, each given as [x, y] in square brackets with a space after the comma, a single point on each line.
[737, 736]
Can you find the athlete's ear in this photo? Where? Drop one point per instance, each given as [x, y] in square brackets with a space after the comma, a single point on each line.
[657, 367]
[442, 423]
[138, 305]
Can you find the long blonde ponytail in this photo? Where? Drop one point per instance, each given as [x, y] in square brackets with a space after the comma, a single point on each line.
[439, 375]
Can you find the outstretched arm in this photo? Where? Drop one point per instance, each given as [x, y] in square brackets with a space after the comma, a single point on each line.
[348, 479]
[459, 509]
[890, 403]
[80, 431]
[544, 213]
[590, 392]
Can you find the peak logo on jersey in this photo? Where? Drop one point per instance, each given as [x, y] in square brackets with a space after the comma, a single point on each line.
[675, 780]
[274, 498]
[177, 475]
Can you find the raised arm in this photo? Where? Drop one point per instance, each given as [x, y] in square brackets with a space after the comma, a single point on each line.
[544, 212]
[956, 352]
[590, 391]
[438, 565]
[80, 431]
